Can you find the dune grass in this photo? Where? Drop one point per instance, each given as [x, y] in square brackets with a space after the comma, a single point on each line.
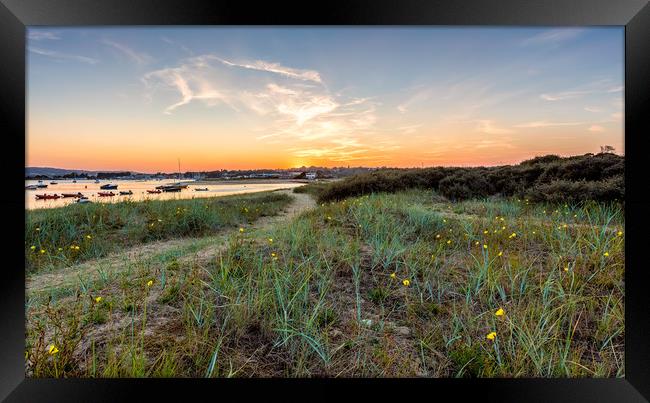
[62, 236]
[380, 285]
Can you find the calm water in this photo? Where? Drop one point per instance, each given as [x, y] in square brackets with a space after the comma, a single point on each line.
[139, 188]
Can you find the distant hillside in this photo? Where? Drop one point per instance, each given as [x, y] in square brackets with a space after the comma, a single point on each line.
[47, 171]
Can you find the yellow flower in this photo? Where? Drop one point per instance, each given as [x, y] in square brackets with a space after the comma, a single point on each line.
[443, 220]
[477, 242]
[513, 234]
[564, 225]
[88, 237]
[273, 254]
[38, 228]
[52, 349]
[484, 246]
[449, 242]
[42, 251]
[491, 335]
[241, 230]
[149, 283]
[566, 268]
[60, 249]
[406, 282]
[393, 275]
[502, 219]
[159, 220]
[438, 236]
[329, 217]
[500, 312]
[500, 253]
[98, 299]
[534, 232]
[33, 247]
[606, 254]
[485, 232]
[270, 240]
[619, 233]
[575, 216]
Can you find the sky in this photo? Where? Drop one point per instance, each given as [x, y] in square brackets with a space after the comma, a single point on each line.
[140, 98]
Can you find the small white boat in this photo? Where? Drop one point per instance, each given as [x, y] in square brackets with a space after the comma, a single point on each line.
[83, 200]
[96, 180]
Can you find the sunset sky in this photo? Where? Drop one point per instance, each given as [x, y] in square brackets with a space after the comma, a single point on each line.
[234, 98]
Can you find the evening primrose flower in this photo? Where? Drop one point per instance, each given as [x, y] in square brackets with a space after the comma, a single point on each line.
[270, 240]
[52, 349]
[38, 228]
[449, 242]
[485, 232]
[477, 242]
[329, 218]
[606, 254]
[484, 246]
[406, 282]
[438, 236]
[500, 312]
[491, 335]
[619, 233]
[241, 230]
[88, 237]
[42, 251]
[32, 247]
[500, 253]
[393, 275]
[273, 254]
[149, 283]
[60, 249]
[98, 299]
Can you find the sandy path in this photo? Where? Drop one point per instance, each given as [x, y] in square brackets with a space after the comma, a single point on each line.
[187, 249]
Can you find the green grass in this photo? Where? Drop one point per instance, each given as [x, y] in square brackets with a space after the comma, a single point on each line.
[323, 295]
[62, 236]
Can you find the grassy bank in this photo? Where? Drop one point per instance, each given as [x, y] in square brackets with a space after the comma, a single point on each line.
[62, 236]
[402, 284]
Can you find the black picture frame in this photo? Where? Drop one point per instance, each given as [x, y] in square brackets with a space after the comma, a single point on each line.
[15, 15]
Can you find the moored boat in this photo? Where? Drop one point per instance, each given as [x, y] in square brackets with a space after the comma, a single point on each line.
[54, 183]
[31, 187]
[96, 180]
[108, 186]
[171, 189]
[154, 191]
[41, 186]
[72, 194]
[125, 193]
[105, 194]
[83, 200]
[46, 196]
[201, 189]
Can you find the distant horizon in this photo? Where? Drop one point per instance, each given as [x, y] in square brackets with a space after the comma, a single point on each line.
[136, 99]
[350, 166]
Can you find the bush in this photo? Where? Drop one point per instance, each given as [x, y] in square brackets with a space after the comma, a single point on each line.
[550, 177]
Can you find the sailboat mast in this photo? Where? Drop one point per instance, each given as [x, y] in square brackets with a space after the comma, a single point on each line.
[179, 169]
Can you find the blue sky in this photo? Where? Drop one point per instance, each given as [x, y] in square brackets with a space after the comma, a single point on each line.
[225, 97]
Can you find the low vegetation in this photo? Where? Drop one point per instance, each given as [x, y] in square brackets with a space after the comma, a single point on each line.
[549, 178]
[383, 284]
[63, 236]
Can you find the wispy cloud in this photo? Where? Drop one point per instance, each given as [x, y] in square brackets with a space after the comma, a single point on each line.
[260, 65]
[140, 58]
[545, 123]
[593, 109]
[596, 128]
[597, 87]
[490, 127]
[62, 56]
[178, 44]
[42, 35]
[295, 103]
[553, 36]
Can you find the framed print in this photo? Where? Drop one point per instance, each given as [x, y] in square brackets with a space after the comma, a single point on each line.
[380, 195]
